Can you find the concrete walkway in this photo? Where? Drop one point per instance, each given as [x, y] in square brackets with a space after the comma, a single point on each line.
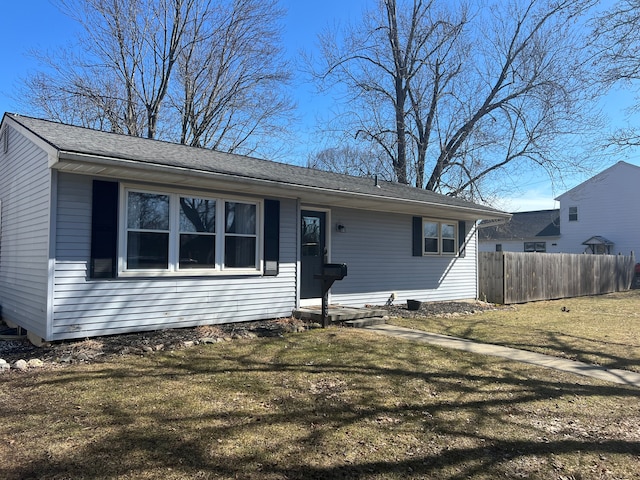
[623, 377]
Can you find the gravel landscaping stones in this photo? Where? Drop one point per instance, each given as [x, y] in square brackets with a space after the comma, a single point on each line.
[146, 343]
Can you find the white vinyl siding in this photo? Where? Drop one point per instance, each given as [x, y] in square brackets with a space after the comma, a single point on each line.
[24, 239]
[377, 248]
[84, 307]
[607, 205]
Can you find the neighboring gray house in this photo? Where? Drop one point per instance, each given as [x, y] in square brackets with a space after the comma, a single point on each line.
[537, 231]
[104, 234]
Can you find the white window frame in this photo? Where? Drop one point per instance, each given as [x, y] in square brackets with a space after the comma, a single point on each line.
[538, 247]
[174, 234]
[440, 239]
[573, 214]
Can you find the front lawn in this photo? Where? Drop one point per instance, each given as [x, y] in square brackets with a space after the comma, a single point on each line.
[335, 403]
[602, 330]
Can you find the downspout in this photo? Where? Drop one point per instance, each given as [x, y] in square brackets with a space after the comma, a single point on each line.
[51, 261]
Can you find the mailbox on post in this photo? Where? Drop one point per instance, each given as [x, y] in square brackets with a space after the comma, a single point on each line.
[330, 273]
[334, 271]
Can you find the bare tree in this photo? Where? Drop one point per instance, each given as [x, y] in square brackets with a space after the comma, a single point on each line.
[616, 37]
[455, 96]
[203, 72]
[351, 160]
[231, 76]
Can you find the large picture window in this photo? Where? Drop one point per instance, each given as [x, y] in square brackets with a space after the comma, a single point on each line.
[439, 238]
[169, 232]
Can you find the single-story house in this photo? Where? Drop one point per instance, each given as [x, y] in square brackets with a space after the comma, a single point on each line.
[535, 231]
[104, 233]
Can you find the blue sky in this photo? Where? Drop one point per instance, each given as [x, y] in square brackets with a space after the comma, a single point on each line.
[37, 24]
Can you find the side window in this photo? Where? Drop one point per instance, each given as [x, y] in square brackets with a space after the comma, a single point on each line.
[540, 247]
[439, 238]
[573, 214]
[498, 247]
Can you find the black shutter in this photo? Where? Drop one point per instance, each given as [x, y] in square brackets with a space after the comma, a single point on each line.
[271, 237]
[417, 236]
[104, 230]
[462, 233]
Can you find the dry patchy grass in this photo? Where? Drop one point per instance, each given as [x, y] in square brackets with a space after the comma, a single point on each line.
[336, 403]
[602, 330]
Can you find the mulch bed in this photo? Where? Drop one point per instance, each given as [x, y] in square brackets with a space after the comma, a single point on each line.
[102, 348]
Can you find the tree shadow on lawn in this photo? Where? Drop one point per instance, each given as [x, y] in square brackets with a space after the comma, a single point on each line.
[456, 425]
[557, 344]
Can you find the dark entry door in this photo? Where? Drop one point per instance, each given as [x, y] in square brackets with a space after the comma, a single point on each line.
[312, 255]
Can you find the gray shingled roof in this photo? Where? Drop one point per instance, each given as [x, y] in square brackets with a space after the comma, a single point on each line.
[523, 225]
[78, 140]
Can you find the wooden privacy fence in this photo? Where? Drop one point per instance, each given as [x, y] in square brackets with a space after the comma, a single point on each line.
[514, 277]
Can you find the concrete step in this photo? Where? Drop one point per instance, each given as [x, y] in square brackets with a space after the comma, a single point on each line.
[365, 322]
[337, 313]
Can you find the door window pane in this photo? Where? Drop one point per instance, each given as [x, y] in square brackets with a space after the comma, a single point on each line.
[311, 237]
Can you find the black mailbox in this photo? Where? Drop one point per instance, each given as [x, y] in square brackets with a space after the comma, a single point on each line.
[334, 271]
[330, 273]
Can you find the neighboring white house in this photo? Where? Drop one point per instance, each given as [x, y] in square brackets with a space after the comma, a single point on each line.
[103, 233]
[536, 231]
[602, 214]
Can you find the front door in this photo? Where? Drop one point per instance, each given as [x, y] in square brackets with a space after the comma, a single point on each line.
[312, 252]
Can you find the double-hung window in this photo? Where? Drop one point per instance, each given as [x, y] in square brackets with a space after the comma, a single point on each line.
[439, 237]
[197, 233]
[240, 238]
[188, 234]
[148, 231]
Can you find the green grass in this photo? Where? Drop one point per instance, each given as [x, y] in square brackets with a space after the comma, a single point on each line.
[602, 330]
[335, 403]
